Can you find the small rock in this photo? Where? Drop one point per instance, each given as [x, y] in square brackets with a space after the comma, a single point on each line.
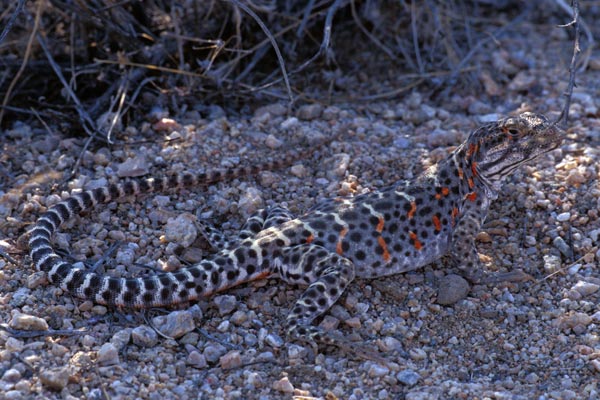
[166, 125]
[562, 246]
[283, 385]
[340, 166]
[483, 237]
[575, 319]
[144, 336]
[563, 217]
[417, 354]
[353, 322]
[28, 323]
[492, 117]
[55, 379]
[36, 279]
[585, 288]
[272, 142]
[389, 344]
[289, 123]
[551, 263]
[452, 289]
[182, 230]
[522, 82]
[309, 111]
[250, 201]
[298, 170]
[14, 345]
[376, 370]
[175, 324]
[408, 377]
[11, 375]
[532, 378]
[132, 167]
[108, 354]
[596, 364]
[225, 304]
[274, 340]
[213, 352]
[196, 359]
[231, 360]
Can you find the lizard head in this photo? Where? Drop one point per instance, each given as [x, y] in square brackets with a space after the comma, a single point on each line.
[497, 149]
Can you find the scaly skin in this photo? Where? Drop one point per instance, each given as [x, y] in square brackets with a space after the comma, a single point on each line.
[397, 229]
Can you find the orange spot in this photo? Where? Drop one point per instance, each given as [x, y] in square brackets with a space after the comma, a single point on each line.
[471, 196]
[436, 223]
[472, 149]
[380, 225]
[455, 214]
[444, 192]
[310, 239]
[338, 247]
[386, 253]
[471, 183]
[413, 236]
[460, 173]
[413, 209]
[474, 168]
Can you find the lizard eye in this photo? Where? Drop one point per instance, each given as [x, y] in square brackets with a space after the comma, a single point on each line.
[513, 132]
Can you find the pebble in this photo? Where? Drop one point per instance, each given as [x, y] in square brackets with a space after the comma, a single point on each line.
[182, 229]
[274, 340]
[552, 263]
[272, 142]
[389, 344]
[175, 324]
[562, 246]
[225, 304]
[55, 378]
[283, 385]
[452, 288]
[133, 167]
[523, 81]
[250, 201]
[121, 338]
[585, 288]
[213, 352]
[28, 323]
[298, 171]
[144, 336]
[563, 217]
[408, 377]
[196, 359]
[376, 370]
[108, 354]
[309, 111]
[231, 360]
[11, 375]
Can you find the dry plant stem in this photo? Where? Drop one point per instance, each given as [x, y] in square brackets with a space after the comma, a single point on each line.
[586, 29]
[493, 36]
[86, 122]
[415, 35]
[273, 43]
[12, 20]
[369, 35]
[564, 115]
[322, 48]
[36, 24]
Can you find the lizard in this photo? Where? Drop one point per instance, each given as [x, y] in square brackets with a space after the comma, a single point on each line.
[400, 228]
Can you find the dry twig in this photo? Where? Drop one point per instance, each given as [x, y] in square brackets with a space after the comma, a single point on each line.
[564, 115]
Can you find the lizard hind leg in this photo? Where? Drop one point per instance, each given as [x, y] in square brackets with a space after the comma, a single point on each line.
[327, 275]
[260, 220]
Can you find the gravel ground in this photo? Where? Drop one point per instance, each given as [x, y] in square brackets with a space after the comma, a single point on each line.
[537, 338]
